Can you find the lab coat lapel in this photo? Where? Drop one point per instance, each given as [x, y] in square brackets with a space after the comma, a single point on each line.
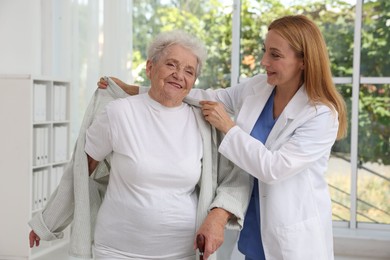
[289, 114]
[253, 105]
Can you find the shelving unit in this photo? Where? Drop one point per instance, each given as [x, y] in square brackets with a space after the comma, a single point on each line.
[35, 134]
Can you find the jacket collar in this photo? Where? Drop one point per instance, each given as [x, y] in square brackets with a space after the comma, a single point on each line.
[192, 101]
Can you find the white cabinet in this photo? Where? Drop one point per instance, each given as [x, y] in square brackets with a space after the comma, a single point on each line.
[34, 139]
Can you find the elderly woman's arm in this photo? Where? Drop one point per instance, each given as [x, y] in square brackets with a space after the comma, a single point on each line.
[229, 205]
[212, 229]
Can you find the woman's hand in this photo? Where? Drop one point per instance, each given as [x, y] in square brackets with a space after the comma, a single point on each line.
[34, 239]
[92, 164]
[217, 116]
[212, 229]
[102, 83]
[129, 89]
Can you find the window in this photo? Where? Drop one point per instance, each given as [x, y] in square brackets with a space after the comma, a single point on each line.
[373, 150]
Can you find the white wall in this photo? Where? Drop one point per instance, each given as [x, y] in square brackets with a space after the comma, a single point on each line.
[20, 45]
[56, 38]
[36, 37]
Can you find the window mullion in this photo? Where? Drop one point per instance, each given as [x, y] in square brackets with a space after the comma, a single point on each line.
[236, 29]
[355, 112]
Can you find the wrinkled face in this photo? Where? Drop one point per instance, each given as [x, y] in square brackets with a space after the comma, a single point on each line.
[283, 67]
[172, 76]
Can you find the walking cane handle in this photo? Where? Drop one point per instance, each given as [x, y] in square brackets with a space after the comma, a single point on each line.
[200, 241]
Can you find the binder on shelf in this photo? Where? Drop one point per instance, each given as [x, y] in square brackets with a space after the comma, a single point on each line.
[39, 189]
[45, 143]
[35, 204]
[60, 143]
[40, 146]
[60, 99]
[63, 99]
[56, 144]
[39, 104]
[45, 186]
[35, 147]
[57, 102]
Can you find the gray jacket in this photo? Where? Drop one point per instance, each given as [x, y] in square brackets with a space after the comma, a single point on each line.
[78, 197]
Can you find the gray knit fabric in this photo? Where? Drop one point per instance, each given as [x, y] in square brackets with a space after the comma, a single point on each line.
[78, 197]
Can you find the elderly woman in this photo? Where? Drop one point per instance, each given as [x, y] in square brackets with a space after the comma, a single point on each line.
[163, 187]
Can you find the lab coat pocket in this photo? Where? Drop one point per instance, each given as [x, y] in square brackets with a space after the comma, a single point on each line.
[303, 241]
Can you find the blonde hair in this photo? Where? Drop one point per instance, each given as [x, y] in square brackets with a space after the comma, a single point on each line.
[306, 39]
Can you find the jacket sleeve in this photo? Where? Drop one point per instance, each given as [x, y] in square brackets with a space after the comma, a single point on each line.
[295, 150]
[49, 223]
[58, 213]
[233, 191]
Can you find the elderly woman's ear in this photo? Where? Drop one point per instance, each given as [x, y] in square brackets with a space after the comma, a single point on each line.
[149, 65]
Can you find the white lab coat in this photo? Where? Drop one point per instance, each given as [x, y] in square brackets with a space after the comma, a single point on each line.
[295, 205]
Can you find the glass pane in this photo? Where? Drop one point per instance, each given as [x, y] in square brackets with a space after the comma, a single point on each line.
[210, 21]
[335, 19]
[374, 154]
[339, 170]
[375, 46]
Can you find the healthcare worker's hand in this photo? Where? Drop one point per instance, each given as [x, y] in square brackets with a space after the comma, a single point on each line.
[129, 89]
[217, 116]
[212, 229]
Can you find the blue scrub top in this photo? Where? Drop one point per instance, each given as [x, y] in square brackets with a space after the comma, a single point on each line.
[250, 243]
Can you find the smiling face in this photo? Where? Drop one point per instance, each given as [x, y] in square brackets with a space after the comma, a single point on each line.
[284, 68]
[172, 76]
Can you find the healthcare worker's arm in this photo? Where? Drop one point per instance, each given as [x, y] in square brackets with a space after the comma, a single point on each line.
[296, 152]
[128, 88]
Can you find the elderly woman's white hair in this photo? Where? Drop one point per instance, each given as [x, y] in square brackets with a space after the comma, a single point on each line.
[169, 38]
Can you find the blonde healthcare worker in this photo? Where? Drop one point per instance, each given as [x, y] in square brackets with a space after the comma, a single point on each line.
[285, 124]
